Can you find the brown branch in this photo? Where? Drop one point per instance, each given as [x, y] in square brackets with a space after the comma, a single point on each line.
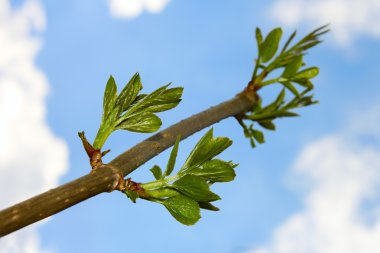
[107, 177]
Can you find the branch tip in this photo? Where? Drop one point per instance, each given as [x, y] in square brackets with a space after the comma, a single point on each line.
[106, 152]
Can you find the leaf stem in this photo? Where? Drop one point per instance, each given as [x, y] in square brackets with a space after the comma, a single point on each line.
[255, 69]
[103, 133]
[272, 81]
[160, 183]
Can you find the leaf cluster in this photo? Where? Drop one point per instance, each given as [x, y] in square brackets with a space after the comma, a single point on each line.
[133, 111]
[294, 77]
[288, 55]
[186, 192]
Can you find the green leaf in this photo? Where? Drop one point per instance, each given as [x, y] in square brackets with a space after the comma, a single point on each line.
[272, 106]
[290, 87]
[113, 106]
[252, 142]
[258, 135]
[137, 99]
[206, 148]
[183, 209]
[168, 99]
[270, 45]
[306, 101]
[261, 116]
[173, 156]
[280, 98]
[289, 40]
[215, 171]
[292, 61]
[159, 194]
[308, 45]
[259, 38]
[195, 188]
[208, 206]
[131, 111]
[267, 124]
[142, 123]
[309, 85]
[159, 100]
[132, 195]
[285, 114]
[109, 98]
[309, 41]
[311, 37]
[305, 83]
[307, 73]
[245, 128]
[304, 92]
[129, 93]
[292, 68]
[143, 103]
[157, 172]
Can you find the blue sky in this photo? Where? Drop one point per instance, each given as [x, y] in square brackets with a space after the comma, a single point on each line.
[316, 177]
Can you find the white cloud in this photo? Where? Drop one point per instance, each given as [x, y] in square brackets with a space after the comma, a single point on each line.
[341, 214]
[31, 158]
[134, 8]
[24, 241]
[349, 18]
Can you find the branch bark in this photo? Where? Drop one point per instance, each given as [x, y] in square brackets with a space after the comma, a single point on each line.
[106, 178]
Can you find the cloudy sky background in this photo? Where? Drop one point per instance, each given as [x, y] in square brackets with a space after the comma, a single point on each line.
[313, 187]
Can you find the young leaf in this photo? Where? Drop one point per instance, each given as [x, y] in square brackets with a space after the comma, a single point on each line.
[270, 45]
[137, 99]
[215, 171]
[285, 114]
[129, 93]
[109, 98]
[173, 156]
[252, 142]
[195, 188]
[142, 123]
[161, 193]
[132, 195]
[290, 87]
[292, 61]
[308, 45]
[307, 73]
[166, 100]
[267, 124]
[131, 111]
[306, 101]
[309, 41]
[259, 136]
[206, 148]
[208, 206]
[288, 41]
[159, 100]
[272, 106]
[196, 154]
[259, 38]
[157, 172]
[305, 83]
[292, 68]
[280, 98]
[183, 209]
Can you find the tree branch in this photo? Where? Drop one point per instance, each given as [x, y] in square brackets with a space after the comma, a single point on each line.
[107, 177]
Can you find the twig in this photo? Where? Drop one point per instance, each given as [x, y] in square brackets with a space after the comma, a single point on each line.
[107, 177]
